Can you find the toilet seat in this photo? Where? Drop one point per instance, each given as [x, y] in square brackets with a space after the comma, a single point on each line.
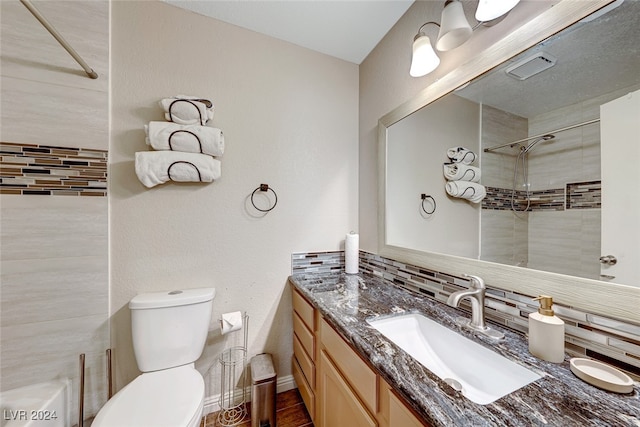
[171, 397]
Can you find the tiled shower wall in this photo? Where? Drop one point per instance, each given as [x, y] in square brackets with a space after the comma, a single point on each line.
[54, 249]
[560, 231]
[586, 334]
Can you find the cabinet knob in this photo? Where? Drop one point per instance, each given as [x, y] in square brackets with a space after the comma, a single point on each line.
[608, 260]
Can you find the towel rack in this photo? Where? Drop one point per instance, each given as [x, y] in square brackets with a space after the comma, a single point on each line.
[263, 188]
[35, 12]
[433, 201]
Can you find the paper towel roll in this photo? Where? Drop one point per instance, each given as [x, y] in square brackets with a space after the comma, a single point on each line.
[351, 253]
[231, 322]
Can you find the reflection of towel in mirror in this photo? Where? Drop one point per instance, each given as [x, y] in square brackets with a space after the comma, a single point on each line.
[158, 167]
[461, 172]
[466, 190]
[461, 155]
[187, 110]
[188, 138]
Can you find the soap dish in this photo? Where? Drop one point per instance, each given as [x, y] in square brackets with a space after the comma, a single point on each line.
[601, 375]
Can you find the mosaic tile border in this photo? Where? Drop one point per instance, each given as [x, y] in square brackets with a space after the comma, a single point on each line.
[606, 339]
[317, 262]
[32, 169]
[500, 199]
[584, 195]
[578, 195]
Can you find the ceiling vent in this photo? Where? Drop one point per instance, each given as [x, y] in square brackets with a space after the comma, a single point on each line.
[531, 65]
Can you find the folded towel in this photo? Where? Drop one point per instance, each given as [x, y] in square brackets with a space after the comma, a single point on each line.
[461, 172]
[187, 110]
[466, 190]
[461, 155]
[158, 167]
[187, 138]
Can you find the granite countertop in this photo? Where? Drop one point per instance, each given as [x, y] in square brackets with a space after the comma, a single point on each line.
[559, 398]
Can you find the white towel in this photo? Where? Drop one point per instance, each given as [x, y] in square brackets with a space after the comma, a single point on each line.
[187, 138]
[187, 110]
[158, 167]
[461, 155]
[461, 172]
[466, 190]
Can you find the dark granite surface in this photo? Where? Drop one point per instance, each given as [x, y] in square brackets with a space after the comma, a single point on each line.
[559, 398]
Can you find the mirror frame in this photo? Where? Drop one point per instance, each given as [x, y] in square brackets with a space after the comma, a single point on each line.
[594, 296]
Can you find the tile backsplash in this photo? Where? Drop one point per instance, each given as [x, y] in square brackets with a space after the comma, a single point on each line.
[32, 169]
[586, 334]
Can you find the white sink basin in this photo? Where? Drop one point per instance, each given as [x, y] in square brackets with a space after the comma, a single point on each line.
[480, 374]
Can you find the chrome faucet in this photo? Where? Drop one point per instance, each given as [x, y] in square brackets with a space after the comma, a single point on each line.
[475, 293]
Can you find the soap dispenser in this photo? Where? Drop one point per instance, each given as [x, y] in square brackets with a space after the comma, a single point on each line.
[546, 332]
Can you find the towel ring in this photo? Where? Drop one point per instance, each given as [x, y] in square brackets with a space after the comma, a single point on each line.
[187, 163]
[264, 187]
[184, 131]
[433, 201]
[190, 102]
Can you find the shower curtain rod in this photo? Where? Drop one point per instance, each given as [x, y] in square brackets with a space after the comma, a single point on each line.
[59, 38]
[511, 144]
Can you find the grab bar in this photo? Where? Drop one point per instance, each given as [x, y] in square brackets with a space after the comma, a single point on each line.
[59, 38]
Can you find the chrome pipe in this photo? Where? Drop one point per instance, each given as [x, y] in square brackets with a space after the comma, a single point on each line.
[35, 12]
[109, 375]
[81, 393]
[511, 144]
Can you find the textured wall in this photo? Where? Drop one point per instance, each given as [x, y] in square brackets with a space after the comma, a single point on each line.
[289, 116]
[54, 255]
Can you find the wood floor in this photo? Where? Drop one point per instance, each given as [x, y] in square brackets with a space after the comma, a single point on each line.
[290, 412]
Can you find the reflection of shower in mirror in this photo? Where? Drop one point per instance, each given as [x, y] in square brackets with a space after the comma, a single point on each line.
[522, 162]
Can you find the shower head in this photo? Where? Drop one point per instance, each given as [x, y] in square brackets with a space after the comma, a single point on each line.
[535, 141]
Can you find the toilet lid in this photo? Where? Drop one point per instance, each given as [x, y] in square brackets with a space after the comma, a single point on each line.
[172, 397]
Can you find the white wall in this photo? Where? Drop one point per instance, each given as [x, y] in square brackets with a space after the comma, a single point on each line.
[54, 254]
[289, 116]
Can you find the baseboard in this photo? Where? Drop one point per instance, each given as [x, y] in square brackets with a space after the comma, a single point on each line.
[211, 403]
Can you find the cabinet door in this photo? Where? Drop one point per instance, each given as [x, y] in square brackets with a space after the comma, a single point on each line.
[339, 406]
[400, 415]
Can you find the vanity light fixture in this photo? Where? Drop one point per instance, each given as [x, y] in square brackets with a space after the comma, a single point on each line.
[454, 28]
[424, 59]
[454, 31]
[488, 10]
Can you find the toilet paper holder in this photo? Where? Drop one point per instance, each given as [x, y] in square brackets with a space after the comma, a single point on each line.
[233, 379]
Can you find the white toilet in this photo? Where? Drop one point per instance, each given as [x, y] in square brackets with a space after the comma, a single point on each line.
[169, 332]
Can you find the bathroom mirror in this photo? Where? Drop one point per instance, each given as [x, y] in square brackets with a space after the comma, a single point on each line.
[552, 243]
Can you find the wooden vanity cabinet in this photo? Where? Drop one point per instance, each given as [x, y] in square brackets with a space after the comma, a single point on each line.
[337, 386]
[393, 412]
[304, 351]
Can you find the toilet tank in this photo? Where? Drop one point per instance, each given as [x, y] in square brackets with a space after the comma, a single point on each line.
[170, 328]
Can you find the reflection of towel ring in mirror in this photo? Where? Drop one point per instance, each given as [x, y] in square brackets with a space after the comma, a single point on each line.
[433, 201]
[264, 187]
[465, 191]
